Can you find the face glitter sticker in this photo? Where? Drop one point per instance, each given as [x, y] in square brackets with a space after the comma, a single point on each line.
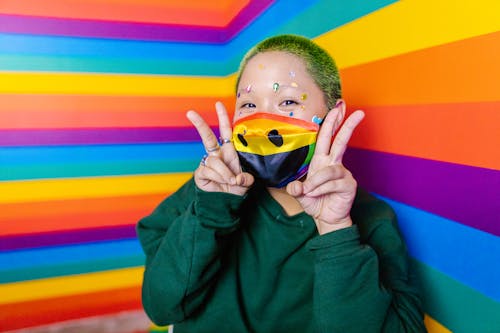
[317, 120]
[291, 114]
[238, 95]
[248, 88]
[294, 84]
[292, 74]
[303, 97]
[261, 66]
[276, 86]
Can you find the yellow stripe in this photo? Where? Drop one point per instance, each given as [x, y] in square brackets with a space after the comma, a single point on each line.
[70, 285]
[111, 84]
[433, 326]
[71, 188]
[408, 26]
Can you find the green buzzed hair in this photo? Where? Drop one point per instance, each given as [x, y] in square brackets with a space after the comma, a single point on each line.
[318, 62]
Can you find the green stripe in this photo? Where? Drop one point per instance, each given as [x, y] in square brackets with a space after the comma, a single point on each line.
[459, 308]
[34, 171]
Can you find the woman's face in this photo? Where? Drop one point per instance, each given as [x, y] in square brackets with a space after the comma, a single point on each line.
[278, 82]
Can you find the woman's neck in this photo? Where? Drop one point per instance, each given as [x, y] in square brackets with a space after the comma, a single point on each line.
[289, 204]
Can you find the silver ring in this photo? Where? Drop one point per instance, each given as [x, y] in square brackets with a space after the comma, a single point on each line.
[223, 141]
[204, 160]
[211, 150]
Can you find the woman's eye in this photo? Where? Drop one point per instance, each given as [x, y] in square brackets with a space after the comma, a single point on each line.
[248, 106]
[288, 102]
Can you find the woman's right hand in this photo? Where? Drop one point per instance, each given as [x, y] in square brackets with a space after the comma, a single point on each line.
[220, 170]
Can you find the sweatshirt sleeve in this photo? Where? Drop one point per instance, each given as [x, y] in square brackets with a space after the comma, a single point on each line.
[362, 278]
[182, 240]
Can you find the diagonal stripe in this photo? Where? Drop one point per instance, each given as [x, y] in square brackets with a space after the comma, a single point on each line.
[54, 238]
[97, 111]
[464, 194]
[439, 243]
[60, 261]
[52, 216]
[434, 75]
[70, 285]
[134, 85]
[406, 26]
[21, 315]
[36, 25]
[57, 189]
[98, 160]
[199, 13]
[463, 137]
[39, 53]
[48, 137]
[459, 308]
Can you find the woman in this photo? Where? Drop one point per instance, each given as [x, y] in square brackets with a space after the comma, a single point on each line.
[272, 234]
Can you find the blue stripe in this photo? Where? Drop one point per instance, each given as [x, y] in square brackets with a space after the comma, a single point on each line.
[463, 253]
[68, 260]
[22, 163]
[83, 54]
[30, 155]
[61, 255]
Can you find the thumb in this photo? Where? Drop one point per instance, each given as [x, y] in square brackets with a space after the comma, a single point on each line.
[295, 189]
[244, 179]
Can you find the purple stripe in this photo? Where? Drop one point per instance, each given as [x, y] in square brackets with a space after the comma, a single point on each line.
[465, 194]
[131, 30]
[86, 136]
[17, 242]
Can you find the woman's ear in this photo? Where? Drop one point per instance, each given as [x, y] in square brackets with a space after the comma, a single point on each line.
[339, 109]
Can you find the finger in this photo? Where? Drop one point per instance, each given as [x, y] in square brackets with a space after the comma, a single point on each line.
[244, 179]
[206, 173]
[342, 138]
[324, 141]
[206, 134]
[221, 168]
[295, 188]
[226, 133]
[225, 129]
[341, 185]
[322, 176]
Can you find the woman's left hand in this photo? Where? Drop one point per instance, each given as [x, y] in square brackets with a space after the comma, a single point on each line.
[328, 192]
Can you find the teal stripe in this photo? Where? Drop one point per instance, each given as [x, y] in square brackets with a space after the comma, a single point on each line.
[12, 173]
[459, 308]
[109, 65]
[33, 273]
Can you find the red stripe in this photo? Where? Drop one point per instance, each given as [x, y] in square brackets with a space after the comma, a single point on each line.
[47, 311]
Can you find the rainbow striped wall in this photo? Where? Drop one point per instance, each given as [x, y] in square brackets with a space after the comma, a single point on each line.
[93, 135]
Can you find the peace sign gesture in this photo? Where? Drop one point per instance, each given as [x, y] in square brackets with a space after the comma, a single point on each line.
[328, 192]
[220, 169]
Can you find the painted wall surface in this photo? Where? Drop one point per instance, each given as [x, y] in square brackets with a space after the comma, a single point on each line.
[93, 136]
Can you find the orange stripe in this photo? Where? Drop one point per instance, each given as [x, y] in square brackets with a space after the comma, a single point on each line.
[34, 217]
[185, 12]
[465, 133]
[464, 71]
[46, 311]
[66, 111]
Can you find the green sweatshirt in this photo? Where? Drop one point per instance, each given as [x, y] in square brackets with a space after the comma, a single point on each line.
[217, 262]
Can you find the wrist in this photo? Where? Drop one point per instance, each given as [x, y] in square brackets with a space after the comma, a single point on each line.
[331, 226]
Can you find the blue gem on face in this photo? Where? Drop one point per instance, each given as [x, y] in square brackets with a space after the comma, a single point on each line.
[317, 120]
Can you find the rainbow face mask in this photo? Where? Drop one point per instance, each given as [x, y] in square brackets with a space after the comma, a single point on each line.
[275, 149]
